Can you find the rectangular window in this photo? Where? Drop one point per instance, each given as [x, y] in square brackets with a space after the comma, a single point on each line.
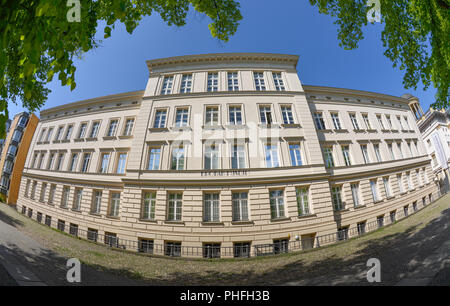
[68, 132]
[121, 163]
[391, 151]
[41, 137]
[276, 204]
[112, 127]
[213, 82]
[387, 187]
[400, 183]
[280, 246]
[408, 180]
[73, 162]
[167, 85]
[51, 195]
[380, 221]
[361, 228]
[286, 112]
[82, 132]
[160, 119]
[365, 154]
[17, 135]
[105, 162]
[128, 127]
[96, 201]
[77, 199]
[182, 117]
[407, 123]
[376, 147]
[65, 197]
[405, 210]
[392, 216]
[328, 154]
[374, 189]
[186, 83]
[336, 121]
[49, 135]
[111, 240]
[278, 81]
[265, 114]
[172, 249]
[380, 122]
[235, 113]
[259, 81]
[73, 229]
[354, 121]
[241, 249]
[318, 120]
[154, 158]
[238, 156]
[336, 196]
[233, 82]
[295, 152]
[367, 121]
[61, 225]
[389, 121]
[39, 217]
[114, 204]
[212, 116]
[399, 147]
[33, 190]
[48, 220]
[178, 156]
[86, 160]
[212, 160]
[51, 160]
[342, 234]
[43, 191]
[302, 195]
[175, 204]
[418, 178]
[272, 156]
[12, 150]
[59, 133]
[148, 207]
[346, 154]
[146, 246]
[94, 129]
[211, 207]
[41, 160]
[211, 250]
[355, 194]
[240, 206]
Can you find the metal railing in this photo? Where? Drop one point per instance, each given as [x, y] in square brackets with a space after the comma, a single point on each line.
[215, 250]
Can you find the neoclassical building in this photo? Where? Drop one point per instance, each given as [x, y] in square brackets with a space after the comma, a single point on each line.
[226, 155]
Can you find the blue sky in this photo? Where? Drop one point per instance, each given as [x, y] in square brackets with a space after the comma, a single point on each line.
[295, 27]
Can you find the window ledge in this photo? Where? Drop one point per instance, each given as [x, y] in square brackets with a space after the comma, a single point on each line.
[306, 216]
[269, 126]
[113, 217]
[402, 193]
[63, 207]
[125, 136]
[76, 210]
[291, 125]
[45, 142]
[372, 130]
[341, 131]
[56, 141]
[212, 127]
[163, 129]
[342, 210]
[91, 139]
[65, 141]
[325, 130]
[236, 126]
[78, 139]
[360, 206]
[391, 197]
[213, 223]
[148, 220]
[385, 130]
[95, 214]
[281, 219]
[243, 222]
[109, 137]
[359, 131]
[174, 222]
[377, 201]
[394, 130]
[181, 128]
[405, 131]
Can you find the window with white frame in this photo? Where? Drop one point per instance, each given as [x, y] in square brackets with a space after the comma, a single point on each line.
[51, 195]
[233, 82]
[85, 163]
[318, 120]
[367, 121]
[105, 158]
[336, 196]
[182, 117]
[33, 189]
[389, 121]
[235, 114]
[65, 196]
[51, 160]
[265, 114]
[41, 160]
[407, 123]
[77, 199]
[212, 158]
[336, 121]
[408, 180]
[400, 183]
[387, 187]
[328, 155]
[112, 127]
[238, 156]
[278, 81]
[399, 147]
[286, 112]
[178, 156]
[276, 198]
[114, 204]
[212, 116]
[160, 119]
[167, 85]
[346, 155]
[68, 132]
[376, 148]
[380, 122]
[355, 194]
[129, 124]
[271, 151]
[73, 162]
[149, 206]
[374, 189]
[154, 158]
[59, 161]
[96, 201]
[418, 177]
[82, 131]
[365, 154]
[94, 129]
[43, 191]
[211, 207]
[213, 82]
[175, 206]
[49, 135]
[59, 133]
[295, 153]
[240, 206]
[259, 81]
[302, 196]
[186, 83]
[354, 121]
[121, 163]
[17, 135]
[391, 151]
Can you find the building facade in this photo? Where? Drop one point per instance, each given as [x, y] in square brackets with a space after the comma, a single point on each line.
[226, 155]
[14, 152]
[434, 126]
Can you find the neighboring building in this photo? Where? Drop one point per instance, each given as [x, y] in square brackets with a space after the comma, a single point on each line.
[14, 153]
[226, 155]
[2, 141]
[434, 126]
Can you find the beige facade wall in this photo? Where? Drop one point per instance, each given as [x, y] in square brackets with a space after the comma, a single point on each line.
[257, 179]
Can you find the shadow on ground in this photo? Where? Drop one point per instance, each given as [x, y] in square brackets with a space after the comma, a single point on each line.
[400, 255]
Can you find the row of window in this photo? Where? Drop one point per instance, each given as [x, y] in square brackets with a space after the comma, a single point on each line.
[383, 125]
[337, 191]
[80, 162]
[398, 153]
[64, 132]
[212, 83]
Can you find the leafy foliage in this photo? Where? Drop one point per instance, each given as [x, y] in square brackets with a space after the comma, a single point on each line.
[416, 36]
[37, 42]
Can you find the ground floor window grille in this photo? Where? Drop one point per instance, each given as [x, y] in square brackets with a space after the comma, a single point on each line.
[146, 246]
[111, 240]
[342, 234]
[211, 250]
[30, 212]
[172, 249]
[280, 246]
[392, 216]
[241, 249]
[48, 220]
[24, 210]
[361, 228]
[92, 234]
[39, 217]
[61, 225]
[380, 221]
[73, 229]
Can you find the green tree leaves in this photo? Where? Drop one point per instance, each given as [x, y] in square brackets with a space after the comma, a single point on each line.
[416, 37]
[38, 42]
